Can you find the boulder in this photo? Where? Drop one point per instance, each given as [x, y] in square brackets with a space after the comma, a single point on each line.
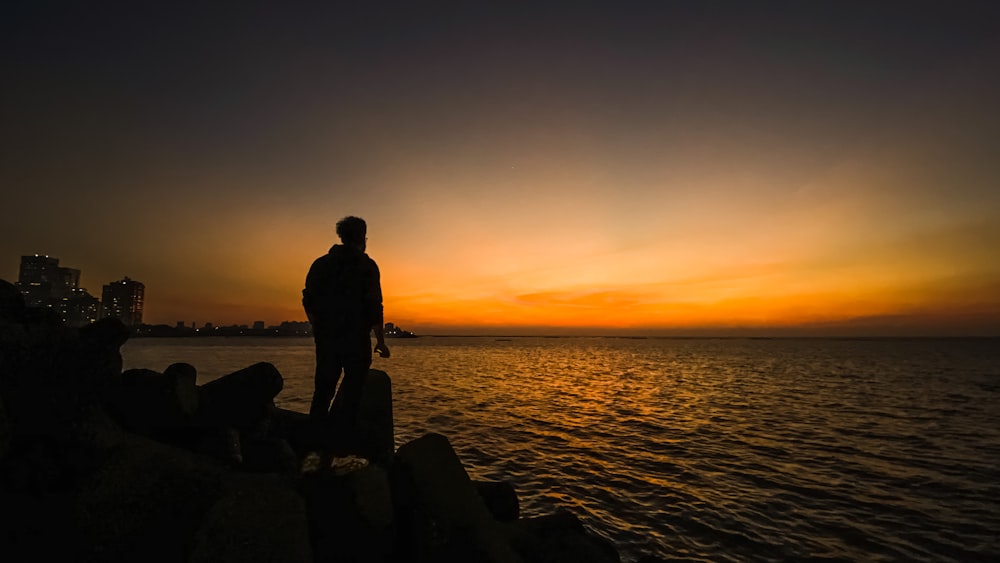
[145, 502]
[377, 440]
[242, 399]
[5, 430]
[297, 428]
[50, 375]
[150, 402]
[268, 455]
[38, 526]
[351, 515]
[559, 538]
[12, 306]
[185, 386]
[260, 518]
[441, 515]
[104, 339]
[500, 498]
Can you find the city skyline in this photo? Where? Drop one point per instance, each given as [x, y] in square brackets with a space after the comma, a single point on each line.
[46, 284]
[817, 168]
[43, 282]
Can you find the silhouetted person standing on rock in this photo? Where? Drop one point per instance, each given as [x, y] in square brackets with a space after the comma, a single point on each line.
[343, 300]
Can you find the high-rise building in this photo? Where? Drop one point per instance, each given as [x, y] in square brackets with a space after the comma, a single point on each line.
[123, 300]
[80, 308]
[34, 269]
[42, 281]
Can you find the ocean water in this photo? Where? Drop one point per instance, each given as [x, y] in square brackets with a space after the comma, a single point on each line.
[700, 449]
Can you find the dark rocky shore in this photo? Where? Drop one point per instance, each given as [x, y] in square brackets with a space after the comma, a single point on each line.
[101, 464]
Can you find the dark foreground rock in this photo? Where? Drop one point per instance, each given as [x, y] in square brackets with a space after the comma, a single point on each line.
[558, 537]
[97, 464]
[351, 516]
[443, 518]
[259, 517]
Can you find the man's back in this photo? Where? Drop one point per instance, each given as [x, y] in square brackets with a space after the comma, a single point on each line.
[342, 296]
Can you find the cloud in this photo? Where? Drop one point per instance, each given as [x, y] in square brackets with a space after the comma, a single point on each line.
[596, 299]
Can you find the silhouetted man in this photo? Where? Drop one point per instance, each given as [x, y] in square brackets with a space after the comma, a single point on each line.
[343, 300]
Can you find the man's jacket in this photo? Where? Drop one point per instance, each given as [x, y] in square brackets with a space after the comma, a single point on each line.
[343, 294]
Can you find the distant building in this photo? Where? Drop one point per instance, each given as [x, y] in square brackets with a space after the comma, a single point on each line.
[258, 325]
[123, 299]
[294, 328]
[79, 308]
[392, 331]
[43, 282]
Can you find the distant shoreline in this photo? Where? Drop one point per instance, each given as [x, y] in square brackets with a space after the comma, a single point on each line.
[230, 332]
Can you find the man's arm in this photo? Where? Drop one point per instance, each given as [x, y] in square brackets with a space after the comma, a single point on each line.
[378, 320]
[380, 347]
[309, 292]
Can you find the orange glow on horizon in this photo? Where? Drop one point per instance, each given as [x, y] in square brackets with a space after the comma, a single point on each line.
[553, 233]
[805, 266]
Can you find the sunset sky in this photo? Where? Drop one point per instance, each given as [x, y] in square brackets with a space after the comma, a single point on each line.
[582, 168]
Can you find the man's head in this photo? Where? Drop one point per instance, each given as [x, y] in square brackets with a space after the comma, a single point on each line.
[352, 231]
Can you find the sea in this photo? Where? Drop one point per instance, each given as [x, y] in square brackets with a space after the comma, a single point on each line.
[699, 449]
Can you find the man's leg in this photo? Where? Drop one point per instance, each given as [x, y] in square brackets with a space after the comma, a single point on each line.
[327, 373]
[348, 402]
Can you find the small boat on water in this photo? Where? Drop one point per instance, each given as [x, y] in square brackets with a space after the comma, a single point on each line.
[393, 331]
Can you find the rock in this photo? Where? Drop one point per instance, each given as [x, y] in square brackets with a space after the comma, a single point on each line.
[37, 466]
[102, 342]
[12, 306]
[300, 431]
[351, 516]
[241, 399]
[377, 440]
[147, 401]
[184, 378]
[268, 455]
[96, 437]
[108, 333]
[49, 376]
[146, 502]
[559, 538]
[260, 518]
[232, 446]
[38, 527]
[500, 499]
[441, 515]
[5, 430]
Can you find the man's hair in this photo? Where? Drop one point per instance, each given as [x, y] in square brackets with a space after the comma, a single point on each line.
[352, 230]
